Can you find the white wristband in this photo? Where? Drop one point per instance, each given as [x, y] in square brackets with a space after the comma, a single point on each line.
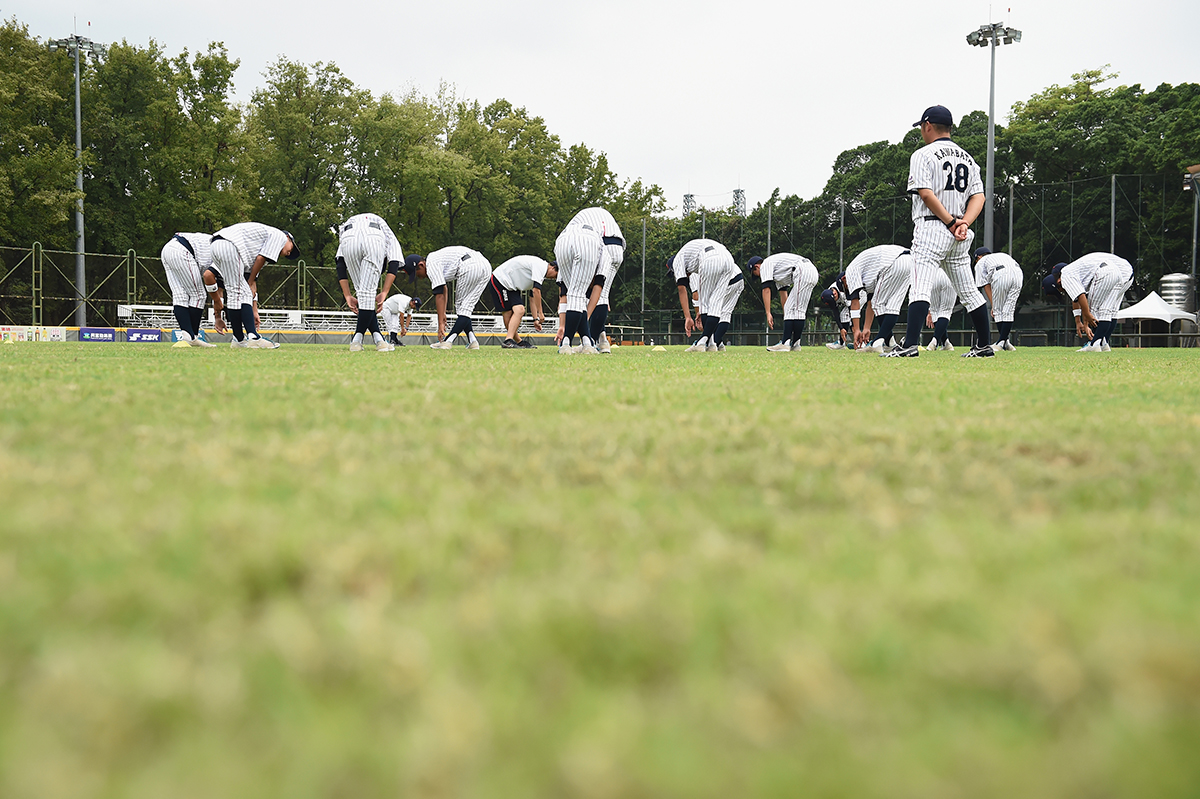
[1077, 312]
[854, 313]
[210, 288]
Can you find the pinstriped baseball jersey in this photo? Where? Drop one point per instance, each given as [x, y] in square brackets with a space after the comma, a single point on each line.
[466, 267]
[1078, 275]
[694, 288]
[687, 260]
[842, 300]
[942, 296]
[864, 269]
[521, 272]
[253, 239]
[891, 285]
[989, 267]
[184, 257]
[948, 171]
[781, 269]
[366, 244]
[601, 221]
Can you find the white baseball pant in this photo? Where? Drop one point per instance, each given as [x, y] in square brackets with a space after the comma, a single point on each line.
[469, 284]
[1006, 288]
[579, 252]
[183, 275]
[1108, 288]
[391, 320]
[934, 247]
[942, 298]
[365, 249]
[718, 295]
[796, 306]
[614, 255]
[891, 286]
[228, 261]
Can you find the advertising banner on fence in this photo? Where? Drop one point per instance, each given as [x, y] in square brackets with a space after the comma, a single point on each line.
[97, 334]
[10, 333]
[143, 335]
[176, 337]
[25, 333]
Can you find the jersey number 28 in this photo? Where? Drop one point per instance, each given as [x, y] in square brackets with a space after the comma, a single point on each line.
[956, 176]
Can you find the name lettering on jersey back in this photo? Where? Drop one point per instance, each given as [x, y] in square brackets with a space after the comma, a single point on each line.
[952, 152]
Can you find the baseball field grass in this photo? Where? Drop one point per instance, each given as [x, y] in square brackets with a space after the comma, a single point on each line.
[314, 573]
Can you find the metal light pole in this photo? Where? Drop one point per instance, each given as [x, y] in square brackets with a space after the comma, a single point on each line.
[75, 45]
[991, 34]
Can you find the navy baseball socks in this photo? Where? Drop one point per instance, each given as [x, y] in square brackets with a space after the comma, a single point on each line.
[887, 323]
[248, 321]
[183, 318]
[917, 311]
[719, 334]
[1005, 329]
[597, 321]
[941, 330]
[234, 318]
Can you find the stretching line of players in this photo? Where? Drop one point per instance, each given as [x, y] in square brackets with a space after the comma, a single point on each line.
[947, 197]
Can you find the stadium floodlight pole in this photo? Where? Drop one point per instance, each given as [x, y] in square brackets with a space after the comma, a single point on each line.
[1191, 180]
[75, 45]
[991, 35]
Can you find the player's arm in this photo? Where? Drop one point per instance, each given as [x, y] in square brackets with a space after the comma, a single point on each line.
[766, 298]
[868, 320]
[987, 290]
[388, 279]
[562, 312]
[344, 282]
[935, 206]
[535, 303]
[685, 303]
[405, 322]
[1084, 321]
[439, 302]
[259, 262]
[218, 300]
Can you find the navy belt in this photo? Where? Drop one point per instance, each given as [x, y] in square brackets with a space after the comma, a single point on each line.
[709, 249]
[186, 244]
[219, 237]
[736, 278]
[614, 240]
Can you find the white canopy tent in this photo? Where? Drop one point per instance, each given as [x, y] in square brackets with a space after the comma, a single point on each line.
[1155, 307]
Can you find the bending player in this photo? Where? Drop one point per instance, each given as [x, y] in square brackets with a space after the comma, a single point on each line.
[516, 275]
[469, 271]
[835, 299]
[781, 272]
[580, 253]
[721, 283]
[877, 282]
[185, 257]
[941, 304]
[365, 244]
[1001, 279]
[947, 192]
[239, 253]
[1095, 284]
[601, 221]
[397, 316]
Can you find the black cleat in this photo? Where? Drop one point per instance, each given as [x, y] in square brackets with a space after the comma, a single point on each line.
[526, 344]
[509, 344]
[903, 352]
[980, 352]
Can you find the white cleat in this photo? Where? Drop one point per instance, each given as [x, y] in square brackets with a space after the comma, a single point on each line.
[697, 347]
[796, 347]
[473, 345]
[565, 349]
[385, 346]
[782, 346]
[932, 345]
[712, 348]
[947, 346]
[440, 345]
[1105, 346]
[1088, 347]
[199, 342]
[578, 348]
[835, 345]
[877, 346]
[239, 345]
[721, 347]
[356, 346]
[588, 349]
[891, 345]
[605, 347]
[261, 343]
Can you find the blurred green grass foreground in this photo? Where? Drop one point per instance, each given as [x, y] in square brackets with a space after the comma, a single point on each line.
[311, 573]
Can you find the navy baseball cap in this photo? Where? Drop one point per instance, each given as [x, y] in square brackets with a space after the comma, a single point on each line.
[295, 246]
[938, 115]
[1050, 283]
[827, 299]
[416, 301]
[982, 251]
[753, 262]
[410, 266]
[671, 266]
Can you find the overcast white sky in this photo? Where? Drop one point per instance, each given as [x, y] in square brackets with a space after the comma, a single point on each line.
[700, 96]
